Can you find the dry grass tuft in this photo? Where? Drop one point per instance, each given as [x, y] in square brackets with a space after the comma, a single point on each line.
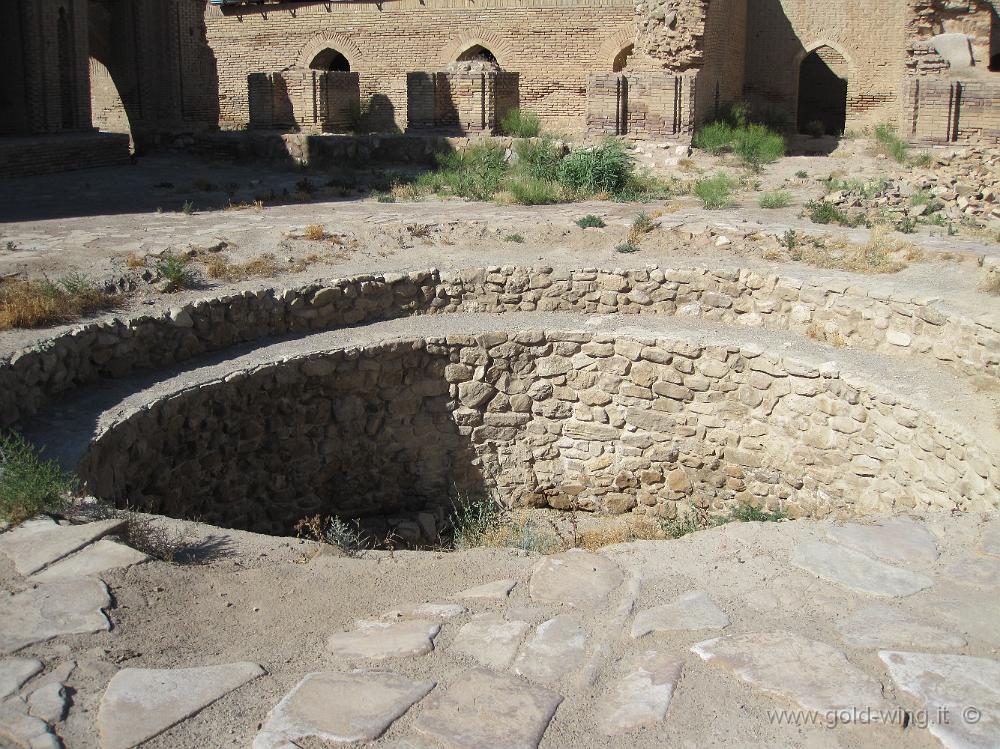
[818, 332]
[991, 284]
[36, 304]
[219, 268]
[134, 261]
[314, 233]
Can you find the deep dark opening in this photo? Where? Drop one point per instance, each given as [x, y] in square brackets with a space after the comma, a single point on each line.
[621, 59]
[822, 97]
[995, 63]
[331, 60]
[477, 53]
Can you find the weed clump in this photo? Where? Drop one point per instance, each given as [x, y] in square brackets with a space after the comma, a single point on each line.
[521, 124]
[590, 221]
[605, 168]
[754, 144]
[890, 144]
[29, 484]
[36, 304]
[176, 273]
[776, 199]
[715, 192]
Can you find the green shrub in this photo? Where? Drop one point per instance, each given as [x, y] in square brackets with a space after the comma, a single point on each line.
[627, 248]
[474, 520]
[176, 273]
[188, 207]
[821, 212]
[28, 484]
[754, 144]
[777, 199]
[533, 191]
[715, 192]
[475, 173]
[538, 158]
[746, 513]
[590, 221]
[515, 238]
[802, 174]
[922, 160]
[891, 144]
[757, 145]
[605, 168]
[715, 137]
[906, 225]
[520, 124]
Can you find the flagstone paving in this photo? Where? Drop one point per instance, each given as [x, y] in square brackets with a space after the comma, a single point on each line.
[606, 636]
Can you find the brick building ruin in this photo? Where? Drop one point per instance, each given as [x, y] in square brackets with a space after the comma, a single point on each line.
[81, 73]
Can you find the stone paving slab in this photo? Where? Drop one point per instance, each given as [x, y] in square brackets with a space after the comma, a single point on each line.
[989, 542]
[979, 572]
[59, 608]
[484, 710]
[141, 703]
[342, 708]
[499, 589]
[427, 611]
[378, 640]
[692, 610]
[93, 560]
[891, 540]
[555, 649]
[641, 698]
[578, 578]
[49, 702]
[39, 542]
[854, 570]
[491, 642]
[810, 673]
[16, 671]
[964, 689]
[886, 627]
[25, 731]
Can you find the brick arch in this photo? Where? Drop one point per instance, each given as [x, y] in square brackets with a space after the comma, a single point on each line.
[613, 46]
[498, 45]
[339, 42]
[821, 44]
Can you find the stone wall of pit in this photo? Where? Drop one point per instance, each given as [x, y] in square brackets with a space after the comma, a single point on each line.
[873, 319]
[567, 420]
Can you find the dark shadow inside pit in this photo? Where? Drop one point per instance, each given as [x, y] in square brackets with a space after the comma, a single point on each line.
[369, 439]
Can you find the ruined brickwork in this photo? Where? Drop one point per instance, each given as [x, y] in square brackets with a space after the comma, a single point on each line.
[552, 44]
[977, 19]
[653, 104]
[941, 110]
[871, 37]
[460, 101]
[310, 101]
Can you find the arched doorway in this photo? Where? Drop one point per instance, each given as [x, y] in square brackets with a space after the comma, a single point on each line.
[478, 53]
[108, 112]
[331, 60]
[823, 91]
[622, 58]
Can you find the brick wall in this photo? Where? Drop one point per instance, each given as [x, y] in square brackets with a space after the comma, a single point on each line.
[652, 104]
[552, 44]
[460, 102]
[945, 111]
[307, 100]
[720, 80]
[872, 37]
[59, 152]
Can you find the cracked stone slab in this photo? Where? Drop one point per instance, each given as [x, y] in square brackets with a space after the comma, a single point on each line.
[491, 642]
[37, 543]
[14, 672]
[783, 664]
[52, 609]
[891, 540]
[882, 626]
[485, 710]
[25, 731]
[499, 589]
[343, 708]
[99, 557]
[854, 570]
[575, 577]
[141, 703]
[377, 640]
[641, 698]
[557, 648]
[427, 611]
[693, 610]
[967, 688]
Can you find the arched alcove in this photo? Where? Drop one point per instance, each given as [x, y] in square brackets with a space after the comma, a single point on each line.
[622, 58]
[331, 60]
[107, 108]
[477, 53]
[823, 80]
